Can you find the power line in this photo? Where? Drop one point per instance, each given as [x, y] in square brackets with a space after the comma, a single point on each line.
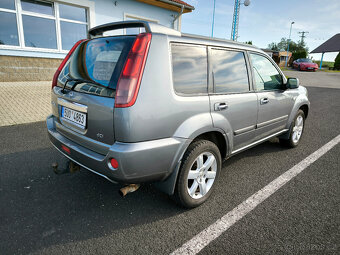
[303, 35]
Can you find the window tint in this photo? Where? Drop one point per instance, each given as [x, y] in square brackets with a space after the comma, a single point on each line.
[100, 60]
[266, 75]
[44, 37]
[189, 64]
[230, 71]
[8, 29]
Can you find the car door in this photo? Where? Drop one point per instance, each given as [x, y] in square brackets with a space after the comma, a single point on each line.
[233, 104]
[274, 103]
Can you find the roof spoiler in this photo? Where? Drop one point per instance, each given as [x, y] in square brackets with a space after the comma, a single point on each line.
[148, 26]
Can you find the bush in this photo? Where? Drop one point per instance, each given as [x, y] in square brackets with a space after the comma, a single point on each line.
[299, 54]
[337, 62]
[325, 64]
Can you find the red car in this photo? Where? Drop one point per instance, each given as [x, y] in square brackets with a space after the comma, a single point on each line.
[305, 64]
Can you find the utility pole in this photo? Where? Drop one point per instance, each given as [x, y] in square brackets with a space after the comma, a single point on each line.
[303, 36]
[236, 17]
[290, 33]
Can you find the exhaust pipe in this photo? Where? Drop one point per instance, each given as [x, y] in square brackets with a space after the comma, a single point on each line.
[71, 167]
[128, 189]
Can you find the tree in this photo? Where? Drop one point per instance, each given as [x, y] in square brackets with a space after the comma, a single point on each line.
[283, 45]
[249, 42]
[299, 54]
[337, 62]
[299, 50]
[273, 46]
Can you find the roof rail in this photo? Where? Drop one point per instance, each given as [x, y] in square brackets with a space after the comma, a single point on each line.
[149, 28]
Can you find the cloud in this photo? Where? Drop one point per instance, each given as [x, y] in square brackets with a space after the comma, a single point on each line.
[267, 21]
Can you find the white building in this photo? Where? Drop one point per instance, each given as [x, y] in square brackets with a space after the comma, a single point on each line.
[36, 34]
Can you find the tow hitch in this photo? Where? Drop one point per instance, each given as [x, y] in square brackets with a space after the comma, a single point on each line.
[70, 167]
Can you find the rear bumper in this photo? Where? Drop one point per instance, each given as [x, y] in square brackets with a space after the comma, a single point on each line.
[138, 162]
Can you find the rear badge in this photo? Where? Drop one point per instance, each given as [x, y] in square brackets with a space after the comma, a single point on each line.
[100, 136]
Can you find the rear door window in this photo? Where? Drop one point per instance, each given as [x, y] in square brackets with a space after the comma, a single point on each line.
[229, 71]
[98, 61]
[189, 69]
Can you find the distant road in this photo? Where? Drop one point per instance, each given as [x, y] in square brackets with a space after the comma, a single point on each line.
[316, 79]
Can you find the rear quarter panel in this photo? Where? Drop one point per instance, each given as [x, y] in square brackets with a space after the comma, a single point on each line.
[159, 112]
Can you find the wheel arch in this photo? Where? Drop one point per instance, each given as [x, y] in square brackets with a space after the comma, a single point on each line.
[305, 109]
[216, 136]
[302, 106]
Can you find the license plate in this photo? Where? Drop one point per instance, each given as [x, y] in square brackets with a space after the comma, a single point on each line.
[309, 68]
[76, 118]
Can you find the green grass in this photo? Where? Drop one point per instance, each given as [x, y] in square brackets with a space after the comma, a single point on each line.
[330, 71]
[285, 68]
[325, 63]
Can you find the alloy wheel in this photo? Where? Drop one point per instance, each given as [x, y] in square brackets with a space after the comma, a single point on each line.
[201, 175]
[297, 129]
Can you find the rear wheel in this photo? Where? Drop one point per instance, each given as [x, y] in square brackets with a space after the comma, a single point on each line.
[296, 131]
[200, 168]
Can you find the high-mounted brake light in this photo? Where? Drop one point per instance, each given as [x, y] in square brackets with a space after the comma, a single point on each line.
[56, 75]
[130, 78]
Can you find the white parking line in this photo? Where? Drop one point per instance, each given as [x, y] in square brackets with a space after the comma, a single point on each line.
[198, 242]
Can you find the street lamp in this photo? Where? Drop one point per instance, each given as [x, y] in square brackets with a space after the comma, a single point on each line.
[236, 16]
[290, 33]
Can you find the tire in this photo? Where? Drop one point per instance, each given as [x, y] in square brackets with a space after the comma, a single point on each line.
[201, 182]
[295, 131]
[299, 68]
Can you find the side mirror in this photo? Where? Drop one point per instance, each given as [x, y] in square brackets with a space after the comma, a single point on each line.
[292, 83]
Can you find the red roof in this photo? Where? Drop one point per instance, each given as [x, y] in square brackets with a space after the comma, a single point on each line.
[184, 3]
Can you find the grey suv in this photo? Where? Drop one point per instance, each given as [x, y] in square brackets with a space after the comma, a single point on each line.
[167, 107]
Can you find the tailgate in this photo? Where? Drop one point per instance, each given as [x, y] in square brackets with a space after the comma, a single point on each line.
[85, 93]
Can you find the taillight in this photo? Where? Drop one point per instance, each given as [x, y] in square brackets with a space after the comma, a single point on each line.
[56, 75]
[130, 78]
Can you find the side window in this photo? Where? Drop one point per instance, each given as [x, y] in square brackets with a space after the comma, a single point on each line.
[266, 75]
[189, 65]
[230, 71]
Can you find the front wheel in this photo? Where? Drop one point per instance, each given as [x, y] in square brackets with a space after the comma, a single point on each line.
[200, 168]
[296, 131]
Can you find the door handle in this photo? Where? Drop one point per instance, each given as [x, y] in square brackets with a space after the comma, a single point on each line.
[220, 106]
[264, 100]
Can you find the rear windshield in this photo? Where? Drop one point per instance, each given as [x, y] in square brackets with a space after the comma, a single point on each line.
[95, 66]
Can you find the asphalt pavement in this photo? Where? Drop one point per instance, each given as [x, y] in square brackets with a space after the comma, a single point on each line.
[319, 78]
[81, 213]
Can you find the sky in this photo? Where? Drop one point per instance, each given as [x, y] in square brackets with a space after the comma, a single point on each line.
[266, 21]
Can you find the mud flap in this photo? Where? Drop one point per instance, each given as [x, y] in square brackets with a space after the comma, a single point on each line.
[168, 185]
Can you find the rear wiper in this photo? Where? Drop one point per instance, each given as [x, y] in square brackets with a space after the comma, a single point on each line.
[78, 81]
